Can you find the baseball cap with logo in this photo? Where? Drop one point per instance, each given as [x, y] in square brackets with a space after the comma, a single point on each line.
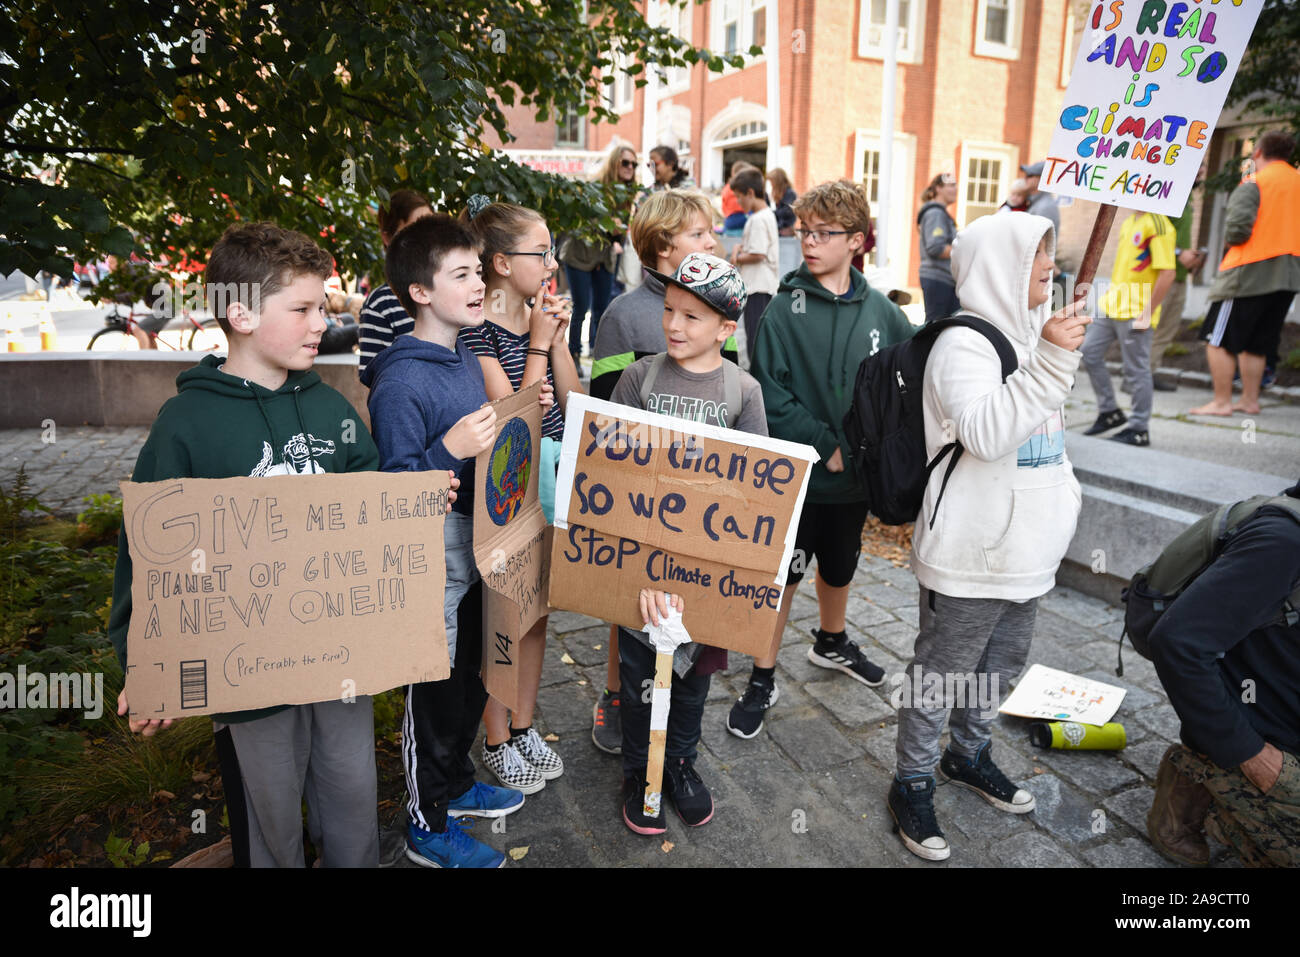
[713, 281]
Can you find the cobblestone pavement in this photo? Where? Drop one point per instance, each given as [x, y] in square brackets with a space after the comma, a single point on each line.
[810, 789]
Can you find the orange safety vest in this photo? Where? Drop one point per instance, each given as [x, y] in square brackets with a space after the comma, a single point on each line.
[1277, 225]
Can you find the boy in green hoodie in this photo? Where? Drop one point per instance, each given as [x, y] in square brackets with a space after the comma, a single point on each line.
[263, 411]
[822, 323]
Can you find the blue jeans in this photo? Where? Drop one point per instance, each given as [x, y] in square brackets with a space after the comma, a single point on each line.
[591, 291]
[940, 299]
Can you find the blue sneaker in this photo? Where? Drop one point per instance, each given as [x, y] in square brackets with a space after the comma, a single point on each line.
[484, 800]
[452, 848]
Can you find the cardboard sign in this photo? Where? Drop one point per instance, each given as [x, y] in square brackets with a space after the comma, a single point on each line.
[1146, 92]
[253, 592]
[1060, 696]
[512, 545]
[648, 501]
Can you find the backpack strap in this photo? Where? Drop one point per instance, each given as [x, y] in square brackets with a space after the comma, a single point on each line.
[648, 383]
[731, 392]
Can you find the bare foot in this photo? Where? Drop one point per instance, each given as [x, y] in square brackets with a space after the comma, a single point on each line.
[1211, 408]
[1247, 409]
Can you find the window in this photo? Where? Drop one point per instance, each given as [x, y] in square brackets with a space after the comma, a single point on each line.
[896, 211]
[621, 94]
[997, 28]
[984, 180]
[911, 30]
[871, 175]
[570, 129]
[677, 21]
[736, 26]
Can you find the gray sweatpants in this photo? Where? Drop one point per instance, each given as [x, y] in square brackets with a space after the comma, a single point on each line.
[1135, 350]
[960, 637]
[324, 752]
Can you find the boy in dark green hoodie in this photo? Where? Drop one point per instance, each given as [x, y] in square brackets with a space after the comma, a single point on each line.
[822, 323]
[263, 411]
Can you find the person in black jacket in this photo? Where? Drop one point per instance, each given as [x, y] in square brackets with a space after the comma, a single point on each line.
[1231, 667]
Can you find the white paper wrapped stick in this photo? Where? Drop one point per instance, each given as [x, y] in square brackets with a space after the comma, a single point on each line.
[665, 636]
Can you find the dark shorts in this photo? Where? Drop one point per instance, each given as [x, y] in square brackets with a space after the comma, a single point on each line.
[1248, 323]
[833, 534]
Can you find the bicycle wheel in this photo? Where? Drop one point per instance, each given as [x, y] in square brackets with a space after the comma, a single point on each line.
[113, 340]
[209, 338]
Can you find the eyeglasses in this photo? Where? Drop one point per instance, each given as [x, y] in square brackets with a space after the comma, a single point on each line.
[628, 164]
[819, 236]
[549, 258]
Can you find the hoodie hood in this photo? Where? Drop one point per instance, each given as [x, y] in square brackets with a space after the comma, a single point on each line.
[992, 259]
[409, 348]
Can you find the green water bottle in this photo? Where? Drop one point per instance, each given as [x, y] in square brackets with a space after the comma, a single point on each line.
[1075, 736]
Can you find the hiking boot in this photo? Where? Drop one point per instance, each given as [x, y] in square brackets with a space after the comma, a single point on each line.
[452, 848]
[536, 752]
[691, 799]
[982, 776]
[838, 652]
[512, 770]
[634, 815]
[1132, 437]
[607, 723]
[746, 717]
[911, 805]
[483, 800]
[1176, 821]
[1106, 421]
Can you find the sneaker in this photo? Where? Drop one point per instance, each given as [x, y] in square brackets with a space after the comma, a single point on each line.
[1270, 377]
[483, 800]
[536, 752]
[634, 815]
[607, 723]
[512, 770]
[691, 798]
[840, 653]
[1132, 437]
[746, 717]
[911, 805]
[1107, 421]
[452, 848]
[982, 776]
[1160, 386]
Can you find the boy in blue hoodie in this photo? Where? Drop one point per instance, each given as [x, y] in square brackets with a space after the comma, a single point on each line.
[428, 408]
[263, 411]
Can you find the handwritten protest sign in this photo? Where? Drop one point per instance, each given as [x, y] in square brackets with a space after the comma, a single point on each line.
[648, 501]
[253, 592]
[512, 545]
[1060, 696]
[1148, 85]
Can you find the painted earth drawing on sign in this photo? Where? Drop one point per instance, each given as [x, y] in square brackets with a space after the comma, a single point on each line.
[512, 464]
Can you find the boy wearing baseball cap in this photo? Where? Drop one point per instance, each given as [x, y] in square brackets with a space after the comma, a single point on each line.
[703, 301]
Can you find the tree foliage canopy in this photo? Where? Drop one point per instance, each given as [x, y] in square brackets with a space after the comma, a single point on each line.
[152, 124]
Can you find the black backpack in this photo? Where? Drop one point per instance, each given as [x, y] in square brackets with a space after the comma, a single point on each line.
[885, 425]
[1154, 587]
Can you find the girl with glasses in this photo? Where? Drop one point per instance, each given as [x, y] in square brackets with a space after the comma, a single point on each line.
[522, 341]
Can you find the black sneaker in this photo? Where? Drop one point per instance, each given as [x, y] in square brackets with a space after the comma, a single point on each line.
[911, 804]
[836, 651]
[746, 718]
[982, 776]
[607, 723]
[691, 799]
[1107, 421]
[634, 815]
[1132, 437]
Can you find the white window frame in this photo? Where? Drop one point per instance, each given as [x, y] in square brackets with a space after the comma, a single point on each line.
[902, 232]
[618, 103]
[678, 21]
[909, 52]
[745, 34]
[578, 143]
[1004, 153]
[1015, 21]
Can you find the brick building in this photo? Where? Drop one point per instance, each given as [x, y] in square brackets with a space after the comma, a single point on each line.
[978, 86]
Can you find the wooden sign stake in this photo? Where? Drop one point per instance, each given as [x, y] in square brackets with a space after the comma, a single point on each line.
[658, 733]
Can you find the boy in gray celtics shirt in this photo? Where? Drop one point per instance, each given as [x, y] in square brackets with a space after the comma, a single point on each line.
[702, 304]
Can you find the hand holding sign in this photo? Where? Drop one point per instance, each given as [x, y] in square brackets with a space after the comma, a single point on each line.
[472, 434]
[663, 615]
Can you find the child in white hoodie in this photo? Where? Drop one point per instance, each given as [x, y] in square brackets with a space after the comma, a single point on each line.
[1003, 526]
